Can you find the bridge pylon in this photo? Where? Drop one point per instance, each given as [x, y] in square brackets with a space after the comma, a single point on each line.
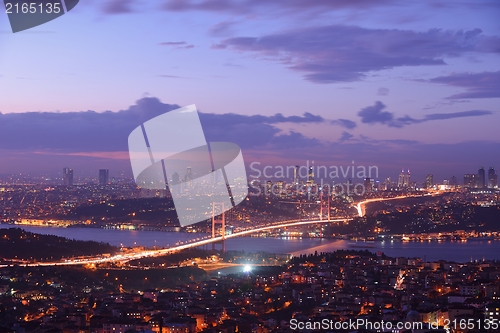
[223, 225]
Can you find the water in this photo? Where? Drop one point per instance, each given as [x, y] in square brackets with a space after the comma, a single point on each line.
[447, 250]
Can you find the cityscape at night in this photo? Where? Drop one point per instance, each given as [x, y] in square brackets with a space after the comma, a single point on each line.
[247, 166]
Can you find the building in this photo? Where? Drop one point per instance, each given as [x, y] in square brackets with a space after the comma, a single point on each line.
[368, 185]
[401, 179]
[492, 311]
[103, 176]
[453, 181]
[310, 176]
[481, 177]
[492, 178]
[189, 174]
[429, 181]
[470, 180]
[67, 176]
[296, 175]
[404, 179]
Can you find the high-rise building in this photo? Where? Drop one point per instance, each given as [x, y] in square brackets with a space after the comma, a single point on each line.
[453, 181]
[429, 181]
[368, 185]
[492, 178]
[67, 176]
[481, 177]
[296, 175]
[470, 180]
[310, 177]
[189, 174]
[401, 179]
[103, 176]
[407, 180]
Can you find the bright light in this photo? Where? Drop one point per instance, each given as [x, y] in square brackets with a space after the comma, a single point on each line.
[247, 268]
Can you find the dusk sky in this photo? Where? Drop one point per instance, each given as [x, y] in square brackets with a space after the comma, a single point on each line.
[413, 84]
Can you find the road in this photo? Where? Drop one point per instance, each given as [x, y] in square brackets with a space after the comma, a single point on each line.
[160, 252]
[190, 244]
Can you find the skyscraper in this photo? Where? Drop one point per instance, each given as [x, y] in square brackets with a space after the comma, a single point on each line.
[67, 176]
[296, 175]
[492, 178]
[368, 185]
[103, 176]
[407, 179]
[453, 181]
[401, 179]
[310, 177]
[189, 174]
[429, 181]
[481, 177]
[469, 180]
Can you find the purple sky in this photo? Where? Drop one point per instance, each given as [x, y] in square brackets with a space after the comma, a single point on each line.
[412, 84]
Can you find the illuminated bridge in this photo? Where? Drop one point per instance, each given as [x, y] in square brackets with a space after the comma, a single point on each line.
[188, 244]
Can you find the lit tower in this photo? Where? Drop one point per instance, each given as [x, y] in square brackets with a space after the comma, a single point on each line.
[310, 177]
[407, 179]
[429, 181]
[401, 179]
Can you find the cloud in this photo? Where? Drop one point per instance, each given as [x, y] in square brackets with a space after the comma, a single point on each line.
[346, 123]
[118, 6]
[172, 43]
[478, 85]
[249, 6]
[345, 136]
[222, 28]
[177, 45]
[382, 91]
[90, 131]
[374, 114]
[48, 141]
[338, 53]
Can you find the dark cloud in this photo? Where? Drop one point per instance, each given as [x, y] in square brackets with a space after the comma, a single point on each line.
[48, 141]
[374, 114]
[346, 123]
[118, 6]
[91, 131]
[478, 85]
[345, 136]
[339, 53]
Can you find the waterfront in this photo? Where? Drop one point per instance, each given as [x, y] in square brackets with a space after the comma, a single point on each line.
[448, 250]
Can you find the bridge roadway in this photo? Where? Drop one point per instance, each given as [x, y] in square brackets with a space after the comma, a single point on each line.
[160, 252]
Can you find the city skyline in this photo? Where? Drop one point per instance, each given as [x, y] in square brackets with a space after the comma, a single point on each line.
[359, 81]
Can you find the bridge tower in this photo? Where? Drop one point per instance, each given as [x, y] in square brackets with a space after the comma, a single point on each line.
[222, 221]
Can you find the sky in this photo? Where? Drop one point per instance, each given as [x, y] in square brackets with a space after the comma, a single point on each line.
[413, 84]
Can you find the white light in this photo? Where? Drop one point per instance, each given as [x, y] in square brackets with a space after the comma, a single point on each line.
[247, 268]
